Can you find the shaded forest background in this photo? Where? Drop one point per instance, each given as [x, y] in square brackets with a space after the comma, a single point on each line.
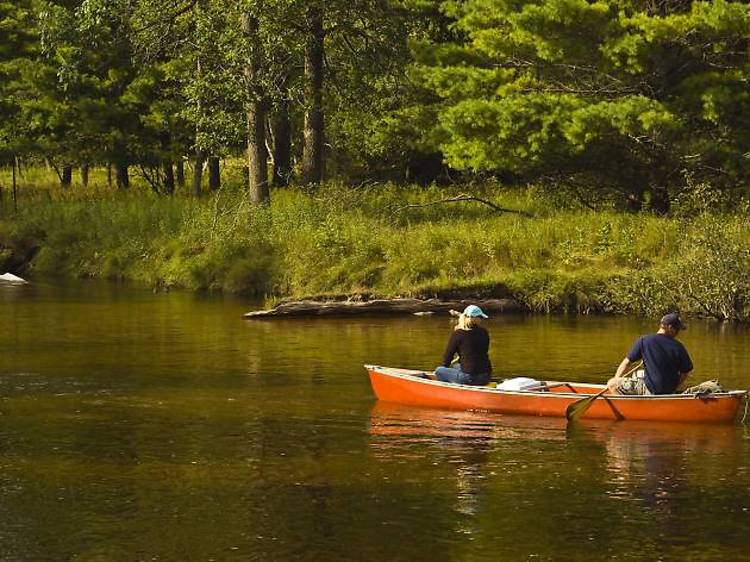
[616, 101]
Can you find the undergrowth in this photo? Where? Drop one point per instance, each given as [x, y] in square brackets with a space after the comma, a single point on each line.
[386, 240]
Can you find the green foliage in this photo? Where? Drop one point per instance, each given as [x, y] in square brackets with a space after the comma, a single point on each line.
[342, 241]
[606, 90]
[18, 44]
[546, 291]
[614, 104]
[610, 101]
[711, 272]
[81, 98]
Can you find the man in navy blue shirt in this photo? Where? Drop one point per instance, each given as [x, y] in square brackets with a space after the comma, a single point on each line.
[666, 361]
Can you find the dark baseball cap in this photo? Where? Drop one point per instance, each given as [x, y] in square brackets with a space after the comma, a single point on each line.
[673, 319]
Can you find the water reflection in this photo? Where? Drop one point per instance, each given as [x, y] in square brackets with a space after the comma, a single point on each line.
[674, 474]
[125, 413]
[643, 459]
[410, 422]
[466, 442]
[616, 480]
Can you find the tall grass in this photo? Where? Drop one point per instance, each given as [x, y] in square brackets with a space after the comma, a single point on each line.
[341, 240]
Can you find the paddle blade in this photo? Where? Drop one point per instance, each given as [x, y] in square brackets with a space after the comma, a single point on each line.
[576, 409]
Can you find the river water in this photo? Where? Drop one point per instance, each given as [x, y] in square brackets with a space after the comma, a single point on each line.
[141, 426]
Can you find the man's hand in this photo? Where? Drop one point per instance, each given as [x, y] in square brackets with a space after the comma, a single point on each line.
[683, 378]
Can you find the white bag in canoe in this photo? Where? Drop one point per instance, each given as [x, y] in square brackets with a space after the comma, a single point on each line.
[519, 383]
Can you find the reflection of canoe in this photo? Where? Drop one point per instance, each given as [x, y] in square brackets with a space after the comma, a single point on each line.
[646, 436]
[405, 386]
[415, 423]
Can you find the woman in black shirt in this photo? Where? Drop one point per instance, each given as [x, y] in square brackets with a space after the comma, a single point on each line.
[472, 343]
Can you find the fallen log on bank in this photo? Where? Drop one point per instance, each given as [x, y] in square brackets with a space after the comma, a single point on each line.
[381, 306]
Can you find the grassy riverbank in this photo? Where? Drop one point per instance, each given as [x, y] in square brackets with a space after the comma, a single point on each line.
[343, 241]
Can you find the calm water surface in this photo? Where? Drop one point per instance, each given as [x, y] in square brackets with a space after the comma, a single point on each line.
[140, 426]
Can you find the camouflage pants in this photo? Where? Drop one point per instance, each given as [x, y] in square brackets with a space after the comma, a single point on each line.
[632, 385]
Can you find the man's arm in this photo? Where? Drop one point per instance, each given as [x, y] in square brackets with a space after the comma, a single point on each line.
[623, 367]
[685, 368]
[614, 381]
[683, 377]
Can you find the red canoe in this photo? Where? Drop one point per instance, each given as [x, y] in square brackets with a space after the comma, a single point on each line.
[406, 386]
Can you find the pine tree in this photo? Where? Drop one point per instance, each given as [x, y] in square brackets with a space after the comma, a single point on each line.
[19, 46]
[620, 95]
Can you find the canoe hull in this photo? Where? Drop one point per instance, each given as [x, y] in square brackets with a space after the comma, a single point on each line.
[403, 386]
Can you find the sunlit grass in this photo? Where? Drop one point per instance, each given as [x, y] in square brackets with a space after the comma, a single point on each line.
[341, 240]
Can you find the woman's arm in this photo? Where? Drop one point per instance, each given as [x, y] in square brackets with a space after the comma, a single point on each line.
[451, 350]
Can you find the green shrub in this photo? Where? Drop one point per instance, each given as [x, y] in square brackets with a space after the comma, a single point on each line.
[710, 275]
[343, 240]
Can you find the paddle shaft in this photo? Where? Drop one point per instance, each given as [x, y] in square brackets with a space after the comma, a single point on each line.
[576, 409]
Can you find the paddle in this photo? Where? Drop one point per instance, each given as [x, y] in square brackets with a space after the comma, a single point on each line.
[576, 409]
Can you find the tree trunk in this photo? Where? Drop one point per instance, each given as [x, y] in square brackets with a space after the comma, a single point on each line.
[85, 175]
[66, 177]
[257, 156]
[660, 203]
[200, 155]
[122, 176]
[165, 139]
[15, 186]
[200, 159]
[214, 173]
[180, 172]
[312, 151]
[255, 111]
[168, 178]
[634, 201]
[281, 132]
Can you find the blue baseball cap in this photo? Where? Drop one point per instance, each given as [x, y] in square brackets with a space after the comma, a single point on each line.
[473, 311]
[673, 319]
